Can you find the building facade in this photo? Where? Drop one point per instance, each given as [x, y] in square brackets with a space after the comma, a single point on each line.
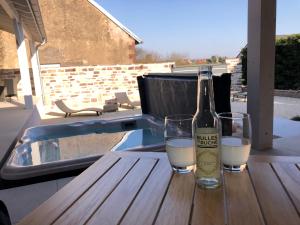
[79, 32]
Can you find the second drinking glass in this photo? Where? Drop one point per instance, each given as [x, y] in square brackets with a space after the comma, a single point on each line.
[236, 140]
[179, 143]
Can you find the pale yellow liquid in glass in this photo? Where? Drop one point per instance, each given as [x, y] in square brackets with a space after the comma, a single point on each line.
[180, 152]
[234, 151]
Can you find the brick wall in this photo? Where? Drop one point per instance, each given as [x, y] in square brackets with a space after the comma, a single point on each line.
[14, 74]
[84, 86]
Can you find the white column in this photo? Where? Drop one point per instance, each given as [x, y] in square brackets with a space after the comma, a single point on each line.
[23, 64]
[260, 70]
[36, 70]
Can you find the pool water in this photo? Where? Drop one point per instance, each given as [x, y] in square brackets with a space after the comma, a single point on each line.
[46, 150]
[138, 139]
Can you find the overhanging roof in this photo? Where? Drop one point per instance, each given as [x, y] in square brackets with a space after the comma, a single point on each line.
[26, 11]
[118, 23]
[5, 21]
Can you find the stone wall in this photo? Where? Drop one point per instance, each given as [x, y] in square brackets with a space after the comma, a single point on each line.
[287, 93]
[8, 51]
[84, 86]
[79, 34]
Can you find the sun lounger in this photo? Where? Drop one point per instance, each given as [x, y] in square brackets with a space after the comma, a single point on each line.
[124, 101]
[62, 106]
[110, 105]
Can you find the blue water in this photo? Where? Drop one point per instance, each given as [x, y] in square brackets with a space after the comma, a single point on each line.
[138, 139]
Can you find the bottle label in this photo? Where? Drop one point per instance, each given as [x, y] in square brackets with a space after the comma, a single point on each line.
[207, 153]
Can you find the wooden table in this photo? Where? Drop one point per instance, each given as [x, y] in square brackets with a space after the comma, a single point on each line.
[140, 188]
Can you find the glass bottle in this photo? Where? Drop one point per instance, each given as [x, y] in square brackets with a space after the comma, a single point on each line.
[206, 134]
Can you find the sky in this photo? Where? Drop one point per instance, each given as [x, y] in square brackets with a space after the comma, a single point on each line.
[196, 28]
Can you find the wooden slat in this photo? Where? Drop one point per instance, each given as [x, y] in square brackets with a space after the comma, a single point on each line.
[58, 203]
[208, 207]
[115, 206]
[176, 208]
[270, 159]
[276, 206]
[242, 205]
[88, 203]
[152, 194]
[289, 175]
[159, 155]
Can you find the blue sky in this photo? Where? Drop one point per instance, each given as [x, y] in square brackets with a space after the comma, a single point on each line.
[196, 28]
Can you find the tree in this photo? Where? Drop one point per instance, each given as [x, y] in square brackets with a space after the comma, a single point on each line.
[178, 58]
[287, 63]
[222, 59]
[244, 65]
[144, 56]
[214, 59]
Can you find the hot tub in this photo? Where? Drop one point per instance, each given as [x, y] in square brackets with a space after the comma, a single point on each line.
[45, 150]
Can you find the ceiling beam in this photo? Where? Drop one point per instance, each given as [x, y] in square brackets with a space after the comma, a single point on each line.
[13, 14]
[9, 10]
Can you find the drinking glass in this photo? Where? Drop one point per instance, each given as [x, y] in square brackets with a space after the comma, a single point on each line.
[179, 143]
[235, 140]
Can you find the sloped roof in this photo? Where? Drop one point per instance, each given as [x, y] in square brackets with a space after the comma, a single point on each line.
[118, 23]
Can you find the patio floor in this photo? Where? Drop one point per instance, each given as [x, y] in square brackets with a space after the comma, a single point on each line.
[287, 130]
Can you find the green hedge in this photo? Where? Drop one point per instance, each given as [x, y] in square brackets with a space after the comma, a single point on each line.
[287, 63]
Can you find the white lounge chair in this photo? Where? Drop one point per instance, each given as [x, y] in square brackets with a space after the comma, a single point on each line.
[62, 106]
[124, 101]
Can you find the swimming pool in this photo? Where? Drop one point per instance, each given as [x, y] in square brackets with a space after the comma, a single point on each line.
[57, 148]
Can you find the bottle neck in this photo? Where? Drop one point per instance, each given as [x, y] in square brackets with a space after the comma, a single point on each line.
[205, 100]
